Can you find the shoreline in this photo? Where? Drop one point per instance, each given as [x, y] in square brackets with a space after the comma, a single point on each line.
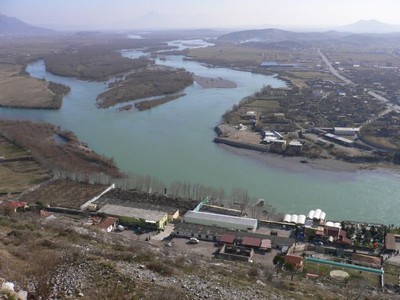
[294, 164]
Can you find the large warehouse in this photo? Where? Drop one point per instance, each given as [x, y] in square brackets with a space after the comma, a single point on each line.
[218, 220]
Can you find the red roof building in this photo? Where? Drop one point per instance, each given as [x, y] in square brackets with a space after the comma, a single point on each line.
[251, 242]
[295, 260]
[108, 224]
[227, 238]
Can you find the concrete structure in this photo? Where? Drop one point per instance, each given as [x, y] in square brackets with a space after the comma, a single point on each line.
[133, 215]
[223, 221]
[236, 253]
[86, 204]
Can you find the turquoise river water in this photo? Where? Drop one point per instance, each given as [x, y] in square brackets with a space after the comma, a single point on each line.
[174, 142]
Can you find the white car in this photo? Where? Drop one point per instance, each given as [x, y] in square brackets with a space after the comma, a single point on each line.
[193, 241]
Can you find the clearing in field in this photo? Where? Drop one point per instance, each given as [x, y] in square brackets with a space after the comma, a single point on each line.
[23, 91]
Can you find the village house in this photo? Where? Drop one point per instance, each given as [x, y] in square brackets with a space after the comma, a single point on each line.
[296, 260]
[108, 224]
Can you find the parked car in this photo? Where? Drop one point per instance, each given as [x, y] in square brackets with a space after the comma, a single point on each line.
[193, 241]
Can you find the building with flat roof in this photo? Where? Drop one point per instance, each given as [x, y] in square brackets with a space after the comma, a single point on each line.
[218, 220]
[137, 216]
[346, 130]
[339, 140]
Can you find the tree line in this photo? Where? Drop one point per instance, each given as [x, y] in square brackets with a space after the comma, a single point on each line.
[237, 198]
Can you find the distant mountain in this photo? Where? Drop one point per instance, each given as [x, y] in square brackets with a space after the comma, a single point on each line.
[369, 26]
[12, 26]
[277, 35]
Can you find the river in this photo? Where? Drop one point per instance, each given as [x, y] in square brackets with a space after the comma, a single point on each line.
[173, 142]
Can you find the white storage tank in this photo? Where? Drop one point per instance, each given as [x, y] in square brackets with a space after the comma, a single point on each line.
[317, 213]
[286, 218]
[329, 224]
[293, 219]
[311, 214]
[301, 219]
[322, 216]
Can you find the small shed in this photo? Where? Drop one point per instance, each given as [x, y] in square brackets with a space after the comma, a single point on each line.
[266, 245]
[390, 242]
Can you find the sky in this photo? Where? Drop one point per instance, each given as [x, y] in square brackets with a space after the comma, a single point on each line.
[121, 14]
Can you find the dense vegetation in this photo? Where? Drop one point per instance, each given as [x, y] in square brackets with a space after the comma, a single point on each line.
[146, 83]
[55, 149]
[92, 64]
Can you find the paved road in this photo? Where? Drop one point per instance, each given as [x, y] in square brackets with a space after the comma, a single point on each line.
[332, 69]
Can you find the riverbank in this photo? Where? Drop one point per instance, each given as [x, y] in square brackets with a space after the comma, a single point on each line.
[298, 164]
[55, 149]
[149, 104]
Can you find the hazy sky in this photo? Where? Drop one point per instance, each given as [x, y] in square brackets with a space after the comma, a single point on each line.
[199, 13]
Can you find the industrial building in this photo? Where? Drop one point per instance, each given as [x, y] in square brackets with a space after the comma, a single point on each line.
[218, 220]
[339, 140]
[136, 216]
[346, 131]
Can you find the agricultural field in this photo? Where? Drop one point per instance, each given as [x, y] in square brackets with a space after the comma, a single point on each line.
[384, 132]
[18, 90]
[350, 58]
[17, 176]
[64, 193]
[300, 78]
[229, 54]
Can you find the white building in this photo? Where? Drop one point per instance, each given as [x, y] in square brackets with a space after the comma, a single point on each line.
[218, 220]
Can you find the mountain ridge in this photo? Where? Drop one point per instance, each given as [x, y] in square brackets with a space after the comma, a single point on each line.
[14, 26]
